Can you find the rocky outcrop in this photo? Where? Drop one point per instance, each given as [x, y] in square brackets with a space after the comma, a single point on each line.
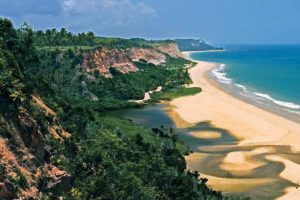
[55, 129]
[35, 139]
[17, 166]
[149, 55]
[24, 154]
[58, 180]
[171, 49]
[102, 60]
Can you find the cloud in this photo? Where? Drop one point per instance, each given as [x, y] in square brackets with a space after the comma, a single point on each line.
[123, 6]
[77, 14]
[146, 10]
[68, 4]
[113, 12]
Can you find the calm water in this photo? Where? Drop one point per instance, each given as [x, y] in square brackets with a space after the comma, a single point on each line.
[154, 116]
[268, 75]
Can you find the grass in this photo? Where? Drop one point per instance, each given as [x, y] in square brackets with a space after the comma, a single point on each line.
[175, 93]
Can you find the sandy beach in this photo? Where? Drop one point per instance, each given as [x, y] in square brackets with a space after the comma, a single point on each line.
[266, 154]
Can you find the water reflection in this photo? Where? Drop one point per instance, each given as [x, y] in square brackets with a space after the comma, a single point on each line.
[153, 116]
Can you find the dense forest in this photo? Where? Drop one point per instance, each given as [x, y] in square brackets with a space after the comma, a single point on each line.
[62, 38]
[101, 157]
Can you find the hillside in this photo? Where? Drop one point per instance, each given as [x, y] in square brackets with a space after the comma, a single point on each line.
[57, 137]
[195, 45]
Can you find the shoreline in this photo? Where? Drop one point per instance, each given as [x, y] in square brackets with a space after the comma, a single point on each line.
[236, 91]
[254, 127]
[186, 54]
[189, 52]
[271, 109]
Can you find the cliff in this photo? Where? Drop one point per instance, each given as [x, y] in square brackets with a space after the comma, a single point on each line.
[171, 49]
[149, 55]
[101, 60]
[25, 152]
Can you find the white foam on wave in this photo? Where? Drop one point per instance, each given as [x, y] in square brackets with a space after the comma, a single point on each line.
[281, 103]
[220, 75]
[222, 66]
[242, 86]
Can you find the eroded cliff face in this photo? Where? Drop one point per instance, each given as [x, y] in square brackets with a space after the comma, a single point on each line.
[102, 60]
[150, 55]
[25, 169]
[171, 49]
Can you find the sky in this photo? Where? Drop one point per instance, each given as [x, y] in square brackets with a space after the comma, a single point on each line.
[216, 21]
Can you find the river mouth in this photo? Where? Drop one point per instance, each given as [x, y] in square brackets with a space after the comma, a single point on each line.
[234, 169]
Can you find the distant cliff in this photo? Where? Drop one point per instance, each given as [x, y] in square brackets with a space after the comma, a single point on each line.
[195, 45]
[102, 60]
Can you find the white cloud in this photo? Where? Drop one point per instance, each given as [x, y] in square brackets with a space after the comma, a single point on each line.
[146, 10]
[113, 12]
[101, 16]
[68, 4]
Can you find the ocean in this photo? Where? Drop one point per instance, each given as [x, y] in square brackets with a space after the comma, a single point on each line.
[268, 76]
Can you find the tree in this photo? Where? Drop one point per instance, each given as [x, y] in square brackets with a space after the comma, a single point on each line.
[90, 38]
[8, 34]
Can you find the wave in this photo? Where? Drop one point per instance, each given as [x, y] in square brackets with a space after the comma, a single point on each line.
[221, 75]
[281, 103]
[242, 86]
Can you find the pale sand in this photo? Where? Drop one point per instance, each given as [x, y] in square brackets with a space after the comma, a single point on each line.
[239, 185]
[206, 134]
[226, 184]
[292, 173]
[240, 161]
[249, 124]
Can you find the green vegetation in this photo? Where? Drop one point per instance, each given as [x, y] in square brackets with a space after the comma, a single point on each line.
[60, 72]
[107, 157]
[174, 93]
[195, 45]
[53, 39]
[134, 85]
[123, 161]
[175, 63]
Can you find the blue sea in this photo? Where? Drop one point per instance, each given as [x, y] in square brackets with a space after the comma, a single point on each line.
[269, 76]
